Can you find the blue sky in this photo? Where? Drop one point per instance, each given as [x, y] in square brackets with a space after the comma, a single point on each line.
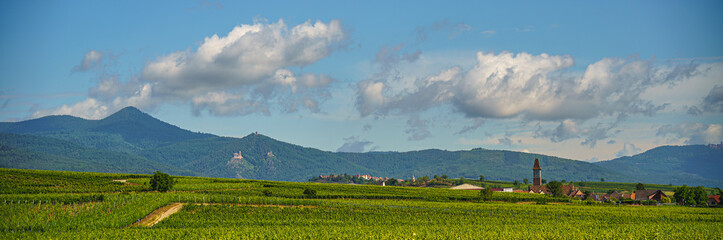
[587, 81]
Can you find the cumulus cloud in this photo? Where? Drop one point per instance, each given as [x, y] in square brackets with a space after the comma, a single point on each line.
[248, 55]
[629, 149]
[570, 129]
[535, 87]
[91, 59]
[417, 129]
[713, 102]
[354, 144]
[693, 133]
[247, 71]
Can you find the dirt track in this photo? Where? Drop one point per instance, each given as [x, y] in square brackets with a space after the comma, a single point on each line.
[158, 215]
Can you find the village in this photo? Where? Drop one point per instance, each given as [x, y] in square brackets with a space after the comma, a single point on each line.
[640, 195]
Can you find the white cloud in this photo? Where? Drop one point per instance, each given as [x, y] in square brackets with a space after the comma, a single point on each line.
[629, 149]
[248, 55]
[713, 102]
[418, 129]
[535, 87]
[91, 59]
[246, 71]
[354, 144]
[693, 133]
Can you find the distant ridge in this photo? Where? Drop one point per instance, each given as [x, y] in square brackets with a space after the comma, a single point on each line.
[133, 126]
[131, 141]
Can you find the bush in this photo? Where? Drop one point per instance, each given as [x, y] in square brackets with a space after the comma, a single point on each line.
[485, 194]
[161, 182]
[266, 192]
[309, 192]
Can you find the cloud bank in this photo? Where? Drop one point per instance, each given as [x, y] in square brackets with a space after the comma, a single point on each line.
[247, 71]
[534, 87]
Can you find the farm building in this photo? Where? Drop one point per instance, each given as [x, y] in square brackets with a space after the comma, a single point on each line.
[647, 195]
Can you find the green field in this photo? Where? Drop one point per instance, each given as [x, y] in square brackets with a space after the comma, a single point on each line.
[59, 205]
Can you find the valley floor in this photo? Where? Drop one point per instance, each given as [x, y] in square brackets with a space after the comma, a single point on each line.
[87, 205]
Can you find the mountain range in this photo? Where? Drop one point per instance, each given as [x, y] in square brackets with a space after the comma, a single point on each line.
[130, 141]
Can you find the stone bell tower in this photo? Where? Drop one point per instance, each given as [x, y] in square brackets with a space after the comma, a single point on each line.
[536, 174]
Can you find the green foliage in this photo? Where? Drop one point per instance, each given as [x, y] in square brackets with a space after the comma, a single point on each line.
[639, 186]
[310, 192]
[217, 208]
[555, 188]
[691, 195]
[131, 141]
[161, 182]
[691, 165]
[485, 194]
[665, 200]
[266, 192]
[481, 178]
[526, 181]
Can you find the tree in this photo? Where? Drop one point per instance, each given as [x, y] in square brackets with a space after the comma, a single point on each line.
[481, 178]
[309, 192]
[161, 182]
[602, 179]
[526, 181]
[444, 176]
[266, 192]
[392, 182]
[700, 195]
[639, 186]
[516, 183]
[555, 188]
[682, 195]
[460, 181]
[485, 194]
[665, 200]
[544, 181]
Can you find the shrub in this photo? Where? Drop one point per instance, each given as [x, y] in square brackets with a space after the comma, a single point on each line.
[309, 192]
[161, 182]
[266, 192]
[485, 194]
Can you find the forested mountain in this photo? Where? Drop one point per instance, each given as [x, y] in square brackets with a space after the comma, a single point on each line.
[131, 141]
[127, 130]
[694, 165]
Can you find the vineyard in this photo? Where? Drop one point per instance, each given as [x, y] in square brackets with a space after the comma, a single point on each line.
[71, 205]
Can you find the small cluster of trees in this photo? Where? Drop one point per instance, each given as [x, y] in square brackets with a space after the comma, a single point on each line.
[161, 182]
[691, 195]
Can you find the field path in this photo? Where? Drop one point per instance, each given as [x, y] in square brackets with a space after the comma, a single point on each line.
[158, 215]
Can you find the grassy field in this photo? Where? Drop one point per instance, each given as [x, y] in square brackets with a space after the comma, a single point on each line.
[60, 205]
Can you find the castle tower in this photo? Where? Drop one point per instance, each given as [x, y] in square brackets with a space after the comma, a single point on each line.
[536, 175]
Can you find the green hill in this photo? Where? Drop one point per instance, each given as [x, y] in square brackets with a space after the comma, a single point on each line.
[127, 130]
[38, 152]
[131, 141]
[693, 165]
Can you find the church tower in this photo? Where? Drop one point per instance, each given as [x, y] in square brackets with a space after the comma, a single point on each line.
[536, 175]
